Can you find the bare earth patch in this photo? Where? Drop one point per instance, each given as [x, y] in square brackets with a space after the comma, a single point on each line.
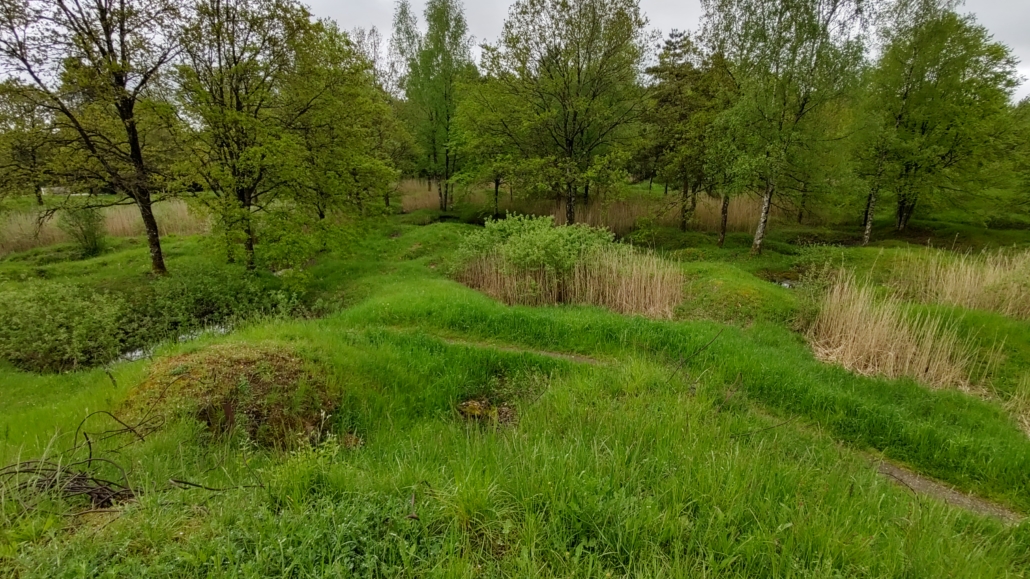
[924, 486]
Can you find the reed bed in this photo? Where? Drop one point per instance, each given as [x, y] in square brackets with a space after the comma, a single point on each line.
[992, 281]
[21, 231]
[872, 336]
[621, 216]
[616, 278]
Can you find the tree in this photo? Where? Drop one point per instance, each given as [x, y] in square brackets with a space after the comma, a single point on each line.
[566, 86]
[238, 55]
[435, 64]
[790, 59]
[343, 119]
[26, 142]
[691, 90]
[96, 66]
[939, 104]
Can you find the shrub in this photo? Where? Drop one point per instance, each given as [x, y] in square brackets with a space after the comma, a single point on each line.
[85, 225]
[533, 243]
[526, 260]
[54, 327]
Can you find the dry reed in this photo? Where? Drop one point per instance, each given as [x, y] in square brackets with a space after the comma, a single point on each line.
[873, 336]
[993, 281]
[1019, 403]
[21, 231]
[615, 278]
[621, 216]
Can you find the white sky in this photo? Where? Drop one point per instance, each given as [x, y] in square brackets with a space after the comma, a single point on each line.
[1009, 20]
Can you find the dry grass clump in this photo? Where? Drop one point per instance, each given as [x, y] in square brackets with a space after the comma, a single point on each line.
[417, 194]
[21, 231]
[1019, 403]
[266, 390]
[873, 336]
[615, 278]
[993, 281]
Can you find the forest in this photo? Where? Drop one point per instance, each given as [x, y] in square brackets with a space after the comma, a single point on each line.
[282, 296]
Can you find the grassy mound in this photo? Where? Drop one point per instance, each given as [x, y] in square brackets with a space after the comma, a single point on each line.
[265, 390]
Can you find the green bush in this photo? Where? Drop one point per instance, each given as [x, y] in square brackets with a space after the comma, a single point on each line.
[54, 327]
[533, 243]
[85, 225]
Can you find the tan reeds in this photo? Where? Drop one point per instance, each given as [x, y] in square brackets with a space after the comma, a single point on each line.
[615, 278]
[1019, 403]
[993, 281]
[20, 231]
[417, 194]
[873, 336]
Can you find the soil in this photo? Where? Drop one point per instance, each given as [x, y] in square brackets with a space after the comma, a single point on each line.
[924, 486]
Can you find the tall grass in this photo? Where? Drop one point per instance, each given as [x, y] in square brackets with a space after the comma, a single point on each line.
[872, 336]
[21, 231]
[614, 277]
[993, 281]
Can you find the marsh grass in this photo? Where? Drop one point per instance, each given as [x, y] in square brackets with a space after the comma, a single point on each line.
[996, 281]
[21, 231]
[871, 336]
[621, 214]
[616, 278]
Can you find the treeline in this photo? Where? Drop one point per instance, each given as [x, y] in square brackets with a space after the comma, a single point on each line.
[276, 119]
[273, 118]
[848, 104]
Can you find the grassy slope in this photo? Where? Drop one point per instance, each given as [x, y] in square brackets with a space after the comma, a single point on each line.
[623, 468]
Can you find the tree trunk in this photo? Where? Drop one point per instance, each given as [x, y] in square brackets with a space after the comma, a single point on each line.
[440, 193]
[763, 219]
[146, 211]
[586, 193]
[497, 195]
[801, 205]
[248, 241]
[906, 206]
[688, 204]
[870, 212]
[570, 205]
[725, 216]
[666, 189]
[650, 182]
[39, 195]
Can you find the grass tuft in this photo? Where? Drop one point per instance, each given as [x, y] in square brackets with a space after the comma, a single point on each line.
[873, 336]
[616, 278]
[992, 281]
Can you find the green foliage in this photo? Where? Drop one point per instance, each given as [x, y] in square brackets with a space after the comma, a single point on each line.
[532, 243]
[56, 327]
[85, 225]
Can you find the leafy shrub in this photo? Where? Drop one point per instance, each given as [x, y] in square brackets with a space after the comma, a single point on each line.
[526, 260]
[193, 298]
[533, 243]
[85, 225]
[55, 327]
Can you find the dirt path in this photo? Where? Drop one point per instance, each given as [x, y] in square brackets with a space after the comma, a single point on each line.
[924, 486]
[575, 358]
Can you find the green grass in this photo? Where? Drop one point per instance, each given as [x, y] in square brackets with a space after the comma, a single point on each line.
[752, 459]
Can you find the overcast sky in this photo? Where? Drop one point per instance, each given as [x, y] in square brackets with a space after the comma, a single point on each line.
[1009, 20]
